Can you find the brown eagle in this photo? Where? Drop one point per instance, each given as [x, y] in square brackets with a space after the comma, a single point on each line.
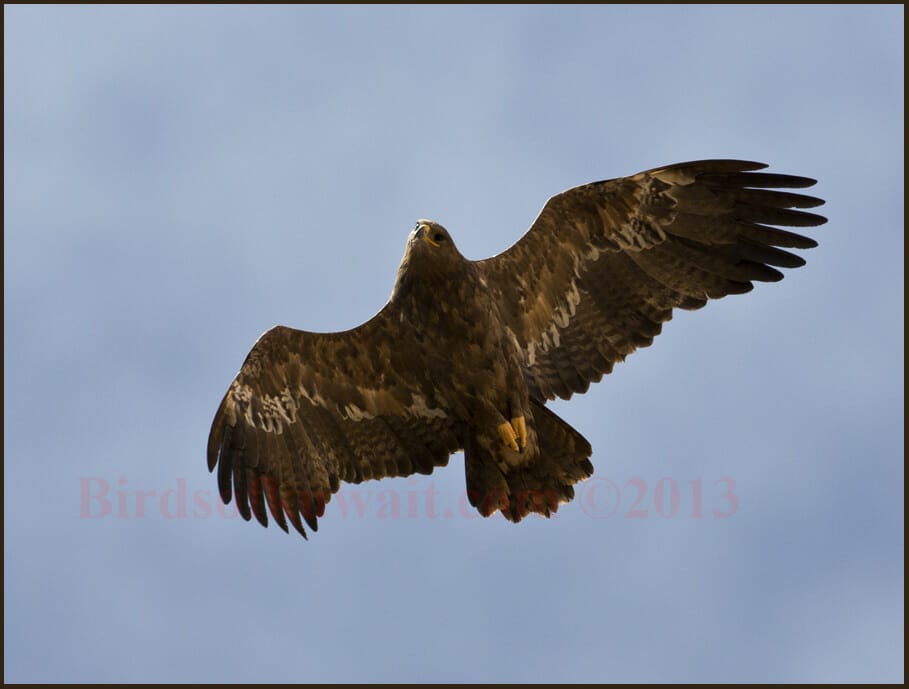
[465, 353]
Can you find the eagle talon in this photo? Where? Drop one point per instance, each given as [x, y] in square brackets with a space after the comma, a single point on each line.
[507, 434]
[520, 430]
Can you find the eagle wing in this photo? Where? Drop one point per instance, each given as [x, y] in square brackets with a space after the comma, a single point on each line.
[604, 264]
[309, 410]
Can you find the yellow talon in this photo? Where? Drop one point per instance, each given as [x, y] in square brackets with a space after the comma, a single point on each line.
[520, 429]
[507, 434]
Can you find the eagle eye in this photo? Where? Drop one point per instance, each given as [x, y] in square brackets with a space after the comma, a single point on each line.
[438, 237]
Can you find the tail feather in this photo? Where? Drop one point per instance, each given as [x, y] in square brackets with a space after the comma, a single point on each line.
[539, 486]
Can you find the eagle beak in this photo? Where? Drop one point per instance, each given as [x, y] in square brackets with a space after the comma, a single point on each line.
[423, 232]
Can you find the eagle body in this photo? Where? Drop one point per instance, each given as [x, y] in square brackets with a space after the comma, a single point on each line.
[443, 297]
[466, 354]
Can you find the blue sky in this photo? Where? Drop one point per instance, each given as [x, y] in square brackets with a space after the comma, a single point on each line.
[178, 180]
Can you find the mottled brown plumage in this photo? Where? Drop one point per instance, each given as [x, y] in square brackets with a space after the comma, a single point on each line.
[465, 353]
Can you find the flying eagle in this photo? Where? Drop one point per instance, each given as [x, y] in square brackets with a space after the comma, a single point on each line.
[465, 354]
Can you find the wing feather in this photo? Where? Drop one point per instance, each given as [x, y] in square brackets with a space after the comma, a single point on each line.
[310, 410]
[605, 264]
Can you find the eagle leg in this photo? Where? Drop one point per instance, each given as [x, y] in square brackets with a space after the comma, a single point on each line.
[508, 436]
[514, 434]
[520, 430]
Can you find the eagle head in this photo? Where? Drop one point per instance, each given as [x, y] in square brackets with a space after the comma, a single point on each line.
[431, 246]
[432, 234]
[430, 255]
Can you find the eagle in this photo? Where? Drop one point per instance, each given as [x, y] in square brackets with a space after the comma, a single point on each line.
[466, 354]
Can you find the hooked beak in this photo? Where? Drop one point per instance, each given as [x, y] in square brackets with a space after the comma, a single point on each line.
[422, 232]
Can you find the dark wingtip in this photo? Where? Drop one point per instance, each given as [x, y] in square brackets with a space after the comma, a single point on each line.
[770, 275]
[811, 219]
[215, 438]
[294, 518]
[750, 164]
[716, 166]
[261, 514]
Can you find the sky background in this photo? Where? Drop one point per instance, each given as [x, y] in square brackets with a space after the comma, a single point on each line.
[179, 179]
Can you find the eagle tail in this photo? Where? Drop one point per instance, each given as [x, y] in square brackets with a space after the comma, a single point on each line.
[539, 486]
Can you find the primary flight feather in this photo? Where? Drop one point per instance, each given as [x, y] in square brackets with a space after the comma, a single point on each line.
[465, 354]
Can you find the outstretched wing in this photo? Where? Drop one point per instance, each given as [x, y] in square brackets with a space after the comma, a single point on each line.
[604, 264]
[309, 410]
